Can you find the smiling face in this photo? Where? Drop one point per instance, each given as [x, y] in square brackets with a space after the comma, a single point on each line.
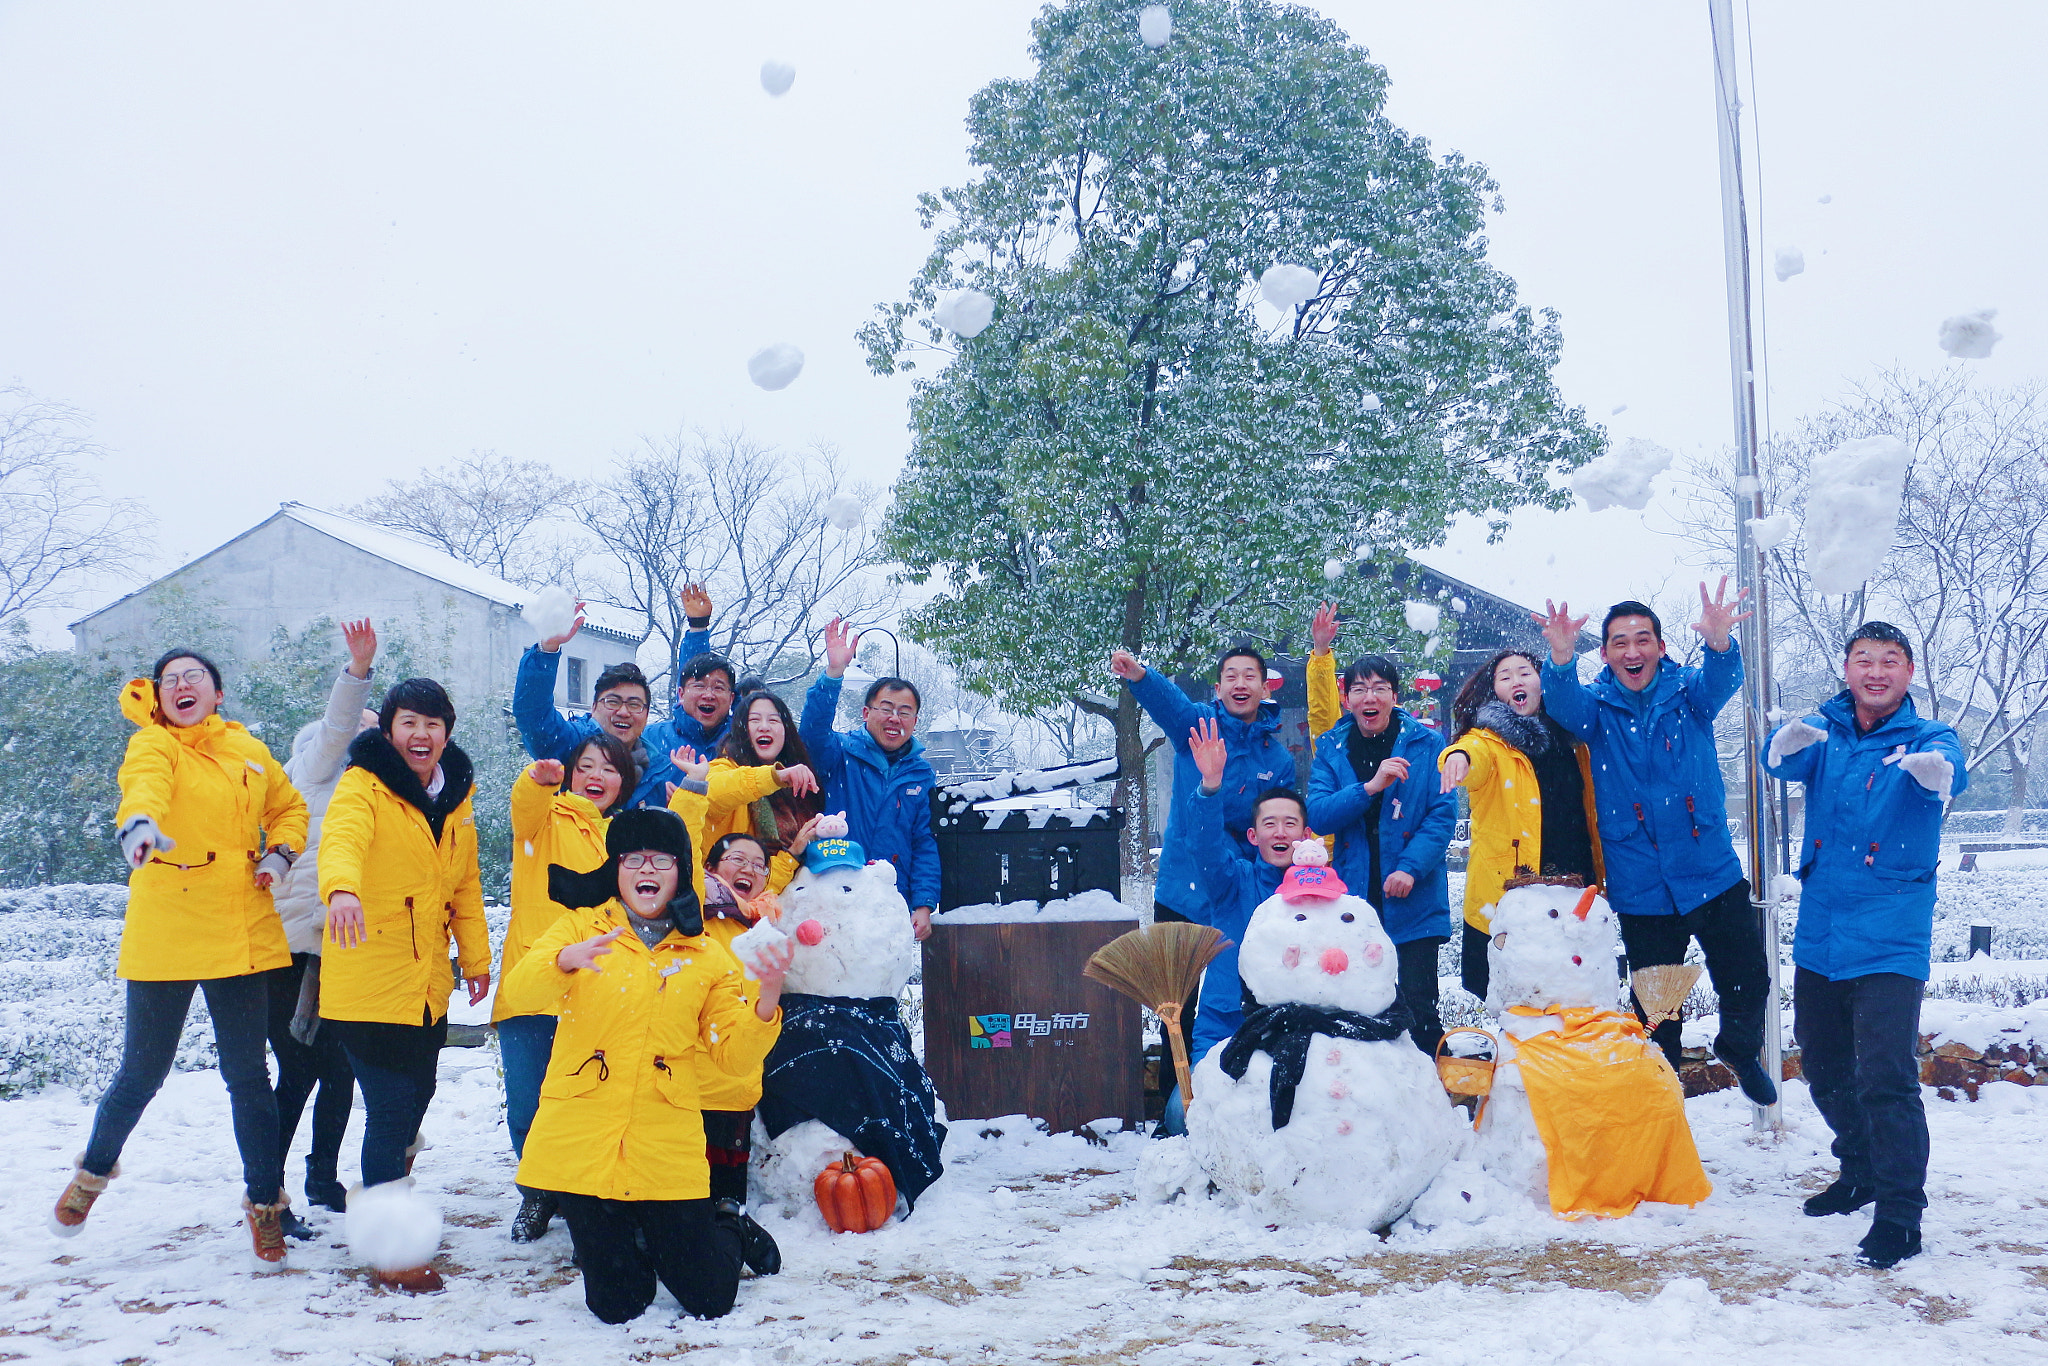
[1517, 684]
[744, 867]
[765, 731]
[1632, 649]
[420, 741]
[891, 717]
[1878, 675]
[1276, 825]
[1241, 686]
[1325, 953]
[622, 710]
[645, 886]
[1370, 700]
[709, 698]
[595, 778]
[186, 693]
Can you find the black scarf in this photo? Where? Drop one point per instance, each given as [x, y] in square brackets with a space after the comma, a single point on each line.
[1367, 753]
[373, 751]
[1283, 1033]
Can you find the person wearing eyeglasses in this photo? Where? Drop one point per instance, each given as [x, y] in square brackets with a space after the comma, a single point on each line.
[651, 1008]
[1373, 785]
[877, 775]
[208, 823]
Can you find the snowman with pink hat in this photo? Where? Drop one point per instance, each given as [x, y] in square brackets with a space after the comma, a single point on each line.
[1320, 1108]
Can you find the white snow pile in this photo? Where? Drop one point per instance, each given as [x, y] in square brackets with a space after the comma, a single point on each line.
[1014, 782]
[777, 77]
[551, 613]
[748, 945]
[1621, 478]
[844, 511]
[775, 367]
[1333, 570]
[392, 1227]
[1970, 336]
[1089, 905]
[1422, 617]
[1288, 287]
[1852, 509]
[1787, 262]
[1155, 26]
[1769, 532]
[964, 312]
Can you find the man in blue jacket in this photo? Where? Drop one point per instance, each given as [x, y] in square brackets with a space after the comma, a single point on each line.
[1373, 785]
[1672, 874]
[1878, 780]
[877, 775]
[621, 703]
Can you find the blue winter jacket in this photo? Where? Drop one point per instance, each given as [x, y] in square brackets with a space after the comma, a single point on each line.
[1657, 787]
[887, 803]
[1416, 821]
[1235, 885]
[1872, 837]
[547, 734]
[1258, 760]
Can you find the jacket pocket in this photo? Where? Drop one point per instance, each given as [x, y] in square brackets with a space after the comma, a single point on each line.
[580, 1080]
[1896, 872]
[675, 1081]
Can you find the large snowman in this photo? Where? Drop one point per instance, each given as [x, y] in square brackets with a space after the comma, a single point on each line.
[843, 1076]
[1320, 1109]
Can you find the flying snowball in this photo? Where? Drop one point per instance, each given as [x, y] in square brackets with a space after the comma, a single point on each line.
[1621, 478]
[964, 312]
[1333, 570]
[1788, 262]
[1422, 617]
[1155, 25]
[1288, 287]
[844, 511]
[1746, 484]
[1852, 508]
[1458, 606]
[1827, 199]
[777, 78]
[1769, 532]
[1617, 410]
[551, 613]
[775, 367]
[1371, 403]
[1429, 646]
[1970, 336]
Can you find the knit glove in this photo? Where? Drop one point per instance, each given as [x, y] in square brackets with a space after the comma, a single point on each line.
[1792, 737]
[140, 839]
[1929, 769]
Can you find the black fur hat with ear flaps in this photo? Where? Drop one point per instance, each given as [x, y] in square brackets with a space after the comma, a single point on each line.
[650, 828]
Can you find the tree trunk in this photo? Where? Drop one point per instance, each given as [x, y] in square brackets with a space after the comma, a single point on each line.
[2017, 755]
[1133, 789]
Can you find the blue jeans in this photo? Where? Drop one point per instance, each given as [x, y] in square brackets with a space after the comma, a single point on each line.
[396, 1068]
[524, 1045]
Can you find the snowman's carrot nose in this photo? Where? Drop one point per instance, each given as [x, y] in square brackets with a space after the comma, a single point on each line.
[1585, 906]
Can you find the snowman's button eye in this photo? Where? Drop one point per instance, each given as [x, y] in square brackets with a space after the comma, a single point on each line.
[1553, 915]
[1303, 915]
[1348, 917]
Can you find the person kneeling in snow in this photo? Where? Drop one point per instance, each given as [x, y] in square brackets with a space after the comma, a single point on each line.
[620, 1134]
[1878, 780]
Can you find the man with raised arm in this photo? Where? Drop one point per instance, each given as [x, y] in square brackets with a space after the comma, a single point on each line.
[1672, 874]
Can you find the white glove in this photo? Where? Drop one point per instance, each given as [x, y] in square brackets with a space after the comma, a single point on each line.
[277, 862]
[1929, 769]
[1792, 737]
[140, 839]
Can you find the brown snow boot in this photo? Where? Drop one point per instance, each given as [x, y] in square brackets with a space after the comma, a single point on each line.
[266, 1230]
[417, 1280]
[413, 1149]
[68, 1218]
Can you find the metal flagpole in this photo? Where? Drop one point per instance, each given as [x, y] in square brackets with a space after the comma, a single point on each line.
[1749, 502]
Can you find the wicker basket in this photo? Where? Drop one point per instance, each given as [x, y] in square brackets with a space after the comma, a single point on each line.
[1466, 1077]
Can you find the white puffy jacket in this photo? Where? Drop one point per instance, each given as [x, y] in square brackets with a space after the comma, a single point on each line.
[319, 754]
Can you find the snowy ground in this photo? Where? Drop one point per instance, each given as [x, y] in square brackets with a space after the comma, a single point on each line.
[1035, 1248]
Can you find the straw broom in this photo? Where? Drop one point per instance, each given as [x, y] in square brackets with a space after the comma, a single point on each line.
[1662, 990]
[1159, 965]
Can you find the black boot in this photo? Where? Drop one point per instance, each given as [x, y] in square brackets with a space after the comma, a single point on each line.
[757, 1247]
[1749, 1073]
[536, 1212]
[1844, 1197]
[295, 1227]
[1887, 1244]
[323, 1190]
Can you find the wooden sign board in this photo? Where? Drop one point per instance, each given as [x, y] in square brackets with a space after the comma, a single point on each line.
[1012, 1027]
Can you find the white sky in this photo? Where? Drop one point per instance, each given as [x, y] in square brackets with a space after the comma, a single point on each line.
[288, 251]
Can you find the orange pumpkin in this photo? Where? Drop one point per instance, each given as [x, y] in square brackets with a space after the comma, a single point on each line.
[856, 1194]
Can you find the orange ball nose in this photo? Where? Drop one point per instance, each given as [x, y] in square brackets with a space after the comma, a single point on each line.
[809, 933]
[1334, 961]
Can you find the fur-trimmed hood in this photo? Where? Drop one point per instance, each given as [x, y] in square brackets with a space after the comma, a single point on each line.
[1526, 733]
[374, 752]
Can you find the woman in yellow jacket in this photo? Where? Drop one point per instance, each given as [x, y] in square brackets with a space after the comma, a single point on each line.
[208, 822]
[761, 784]
[398, 873]
[559, 816]
[1530, 786]
[649, 1007]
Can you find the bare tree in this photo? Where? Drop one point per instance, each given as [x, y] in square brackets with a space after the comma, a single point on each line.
[749, 522]
[487, 512]
[58, 531]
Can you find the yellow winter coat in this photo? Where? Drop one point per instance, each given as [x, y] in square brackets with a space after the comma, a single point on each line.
[1325, 708]
[722, 1090]
[195, 911]
[414, 889]
[547, 827]
[729, 810]
[621, 1110]
[1507, 817]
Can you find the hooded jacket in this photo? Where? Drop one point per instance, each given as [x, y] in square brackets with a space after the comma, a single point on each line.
[1235, 885]
[411, 860]
[1871, 841]
[195, 911]
[1414, 825]
[1507, 815]
[1663, 813]
[319, 754]
[887, 802]
[730, 809]
[547, 827]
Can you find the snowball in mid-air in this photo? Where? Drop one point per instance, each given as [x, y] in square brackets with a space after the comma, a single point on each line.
[1422, 617]
[964, 312]
[1788, 262]
[1288, 287]
[1617, 410]
[1155, 25]
[1970, 336]
[1852, 509]
[1458, 606]
[392, 1227]
[1747, 484]
[1333, 570]
[775, 367]
[1621, 477]
[1371, 403]
[777, 77]
[1827, 199]
[844, 511]
[1770, 532]
[551, 613]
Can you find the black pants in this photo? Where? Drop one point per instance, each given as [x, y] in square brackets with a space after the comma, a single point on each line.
[299, 1069]
[1418, 988]
[396, 1066]
[1857, 1040]
[728, 1141]
[149, 1044]
[1732, 941]
[1473, 973]
[696, 1256]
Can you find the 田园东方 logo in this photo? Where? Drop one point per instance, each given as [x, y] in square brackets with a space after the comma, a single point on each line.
[1000, 1031]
